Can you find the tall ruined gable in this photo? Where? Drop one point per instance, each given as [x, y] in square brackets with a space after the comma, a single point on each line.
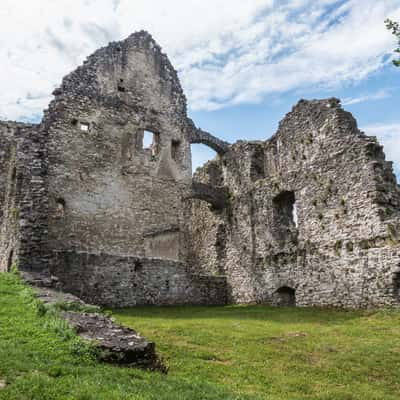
[315, 210]
[105, 185]
[119, 174]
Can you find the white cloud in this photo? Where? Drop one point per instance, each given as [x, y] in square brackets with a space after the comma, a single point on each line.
[389, 136]
[226, 51]
[379, 95]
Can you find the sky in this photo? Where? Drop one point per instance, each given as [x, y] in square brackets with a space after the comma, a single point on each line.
[242, 64]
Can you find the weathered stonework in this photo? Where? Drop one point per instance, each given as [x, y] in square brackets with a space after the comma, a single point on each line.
[313, 215]
[91, 209]
[115, 343]
[120, 281]
[86, 201]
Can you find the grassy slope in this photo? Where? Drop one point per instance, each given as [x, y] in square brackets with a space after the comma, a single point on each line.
[250, 352]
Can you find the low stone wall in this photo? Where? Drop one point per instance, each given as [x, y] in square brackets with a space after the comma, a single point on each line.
[118, 281]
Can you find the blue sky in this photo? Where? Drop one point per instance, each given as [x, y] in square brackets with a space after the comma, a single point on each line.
[374, 102]
[242, 64]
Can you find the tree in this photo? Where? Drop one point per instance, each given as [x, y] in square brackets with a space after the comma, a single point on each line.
[395, 28]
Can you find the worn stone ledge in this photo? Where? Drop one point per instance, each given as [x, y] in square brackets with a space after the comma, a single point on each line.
[117, 344]
[216, 196]
[160, 230]
[128, 281]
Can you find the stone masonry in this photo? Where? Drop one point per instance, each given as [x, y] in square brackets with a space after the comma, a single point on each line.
[313, 215]
[99, 198]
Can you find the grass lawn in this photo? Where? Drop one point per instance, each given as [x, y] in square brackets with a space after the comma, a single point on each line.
[236, 352]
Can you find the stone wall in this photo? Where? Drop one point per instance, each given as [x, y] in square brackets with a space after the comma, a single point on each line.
[106, 190]
[314, 210]
[8, 176]
[309, 217]
[85, 181]
[24, 200]
[118, 281]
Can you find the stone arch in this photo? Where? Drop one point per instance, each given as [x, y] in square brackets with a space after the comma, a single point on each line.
[216, 196]
[203, 137]
[286, 297]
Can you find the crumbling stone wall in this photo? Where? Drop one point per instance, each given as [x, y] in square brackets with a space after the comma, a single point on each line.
[7, 189]
[313, 214]
[23, 201]
[129, 281]
[309, 217]
[106, 191]
[84, 181]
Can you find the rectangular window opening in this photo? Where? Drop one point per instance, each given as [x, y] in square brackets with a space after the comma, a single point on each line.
[285, 212]
[175, 147]
[84, 127]
[151, 141]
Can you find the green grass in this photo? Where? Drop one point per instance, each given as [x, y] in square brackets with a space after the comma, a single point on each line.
[241, 352]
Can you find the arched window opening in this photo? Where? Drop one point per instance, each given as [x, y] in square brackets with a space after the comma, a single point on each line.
[201, 154]
[286, 297]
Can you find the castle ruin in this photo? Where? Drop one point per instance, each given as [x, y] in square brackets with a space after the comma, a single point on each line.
[99, 200]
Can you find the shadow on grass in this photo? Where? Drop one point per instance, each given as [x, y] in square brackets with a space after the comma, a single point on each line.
[245, 312]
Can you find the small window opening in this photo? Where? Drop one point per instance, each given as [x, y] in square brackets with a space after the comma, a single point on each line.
[84, 127]
[167, 285]
[121, 88]
[285, 216]
[286, 297]
[151, 141]
[285, 206]
[10, 260]
[294, 214]
[396, 285]
[14, 174]
[74, 122]
[175, 147]
[138, 266]
[257, 164]
[60, 207]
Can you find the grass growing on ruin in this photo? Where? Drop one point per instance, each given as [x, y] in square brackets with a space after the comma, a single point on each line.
[249, 352]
